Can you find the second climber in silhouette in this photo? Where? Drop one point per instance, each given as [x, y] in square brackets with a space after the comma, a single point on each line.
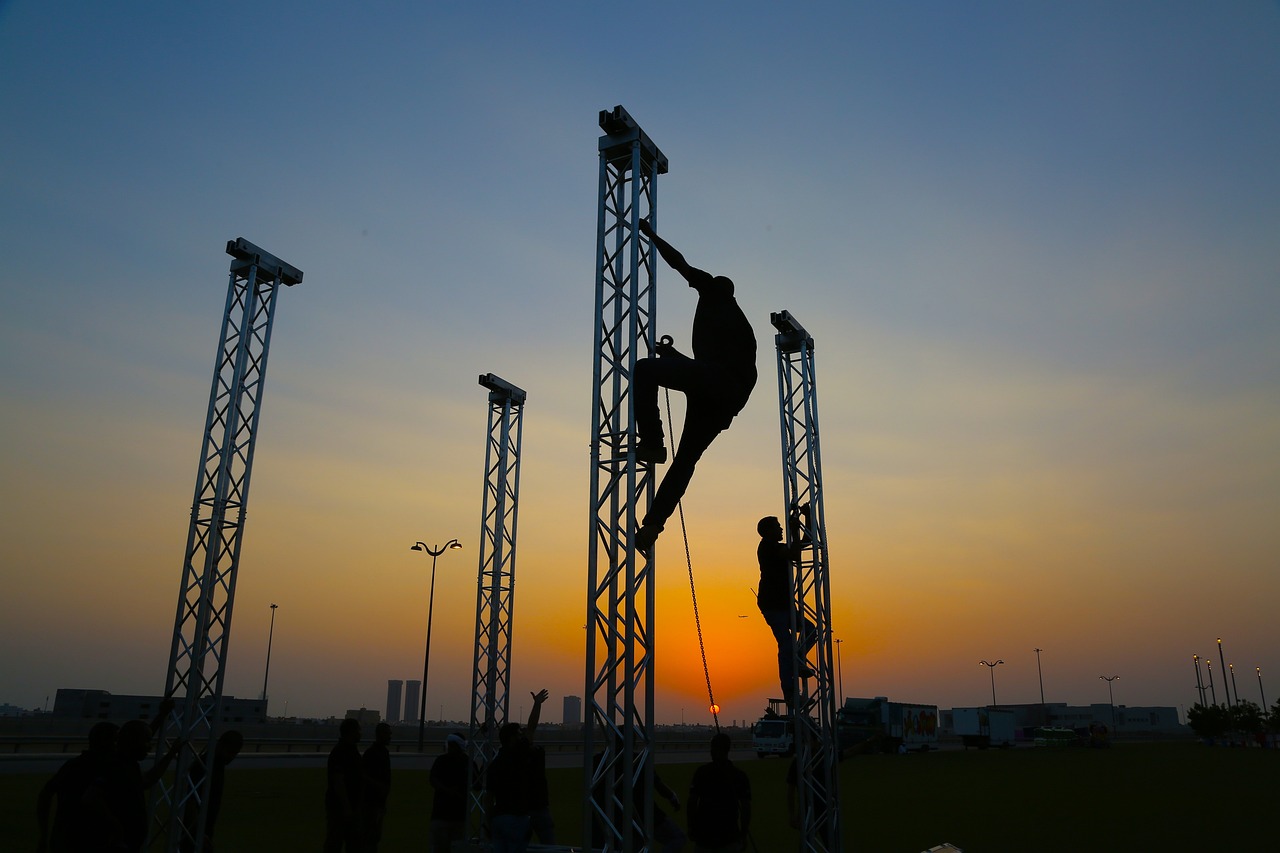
[716, 382]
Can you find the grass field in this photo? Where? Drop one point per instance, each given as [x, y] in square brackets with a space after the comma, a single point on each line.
[1147, 797]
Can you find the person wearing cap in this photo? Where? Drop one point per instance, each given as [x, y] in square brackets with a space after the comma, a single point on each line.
[449, 804]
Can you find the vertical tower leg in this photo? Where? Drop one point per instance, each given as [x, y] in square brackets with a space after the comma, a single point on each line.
[202, 627]
[620, 593]
[495, 595]
[815, 706]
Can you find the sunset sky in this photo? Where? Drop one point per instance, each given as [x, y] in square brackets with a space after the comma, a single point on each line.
[1038, 245]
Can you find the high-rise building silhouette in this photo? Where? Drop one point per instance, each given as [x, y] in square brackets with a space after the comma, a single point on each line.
[573, 710]
[394, 689]
[411, 694]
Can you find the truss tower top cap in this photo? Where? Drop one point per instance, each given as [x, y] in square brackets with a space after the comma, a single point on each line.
[501, 390]
[791, 335]
[621, 132]
[245, 253]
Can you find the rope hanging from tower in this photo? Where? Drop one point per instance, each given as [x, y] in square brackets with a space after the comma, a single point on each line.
[693, 591]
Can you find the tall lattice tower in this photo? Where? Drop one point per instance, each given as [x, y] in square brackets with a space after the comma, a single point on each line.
[491, 669]
[202, 627]
[620, 591]
[814, 711]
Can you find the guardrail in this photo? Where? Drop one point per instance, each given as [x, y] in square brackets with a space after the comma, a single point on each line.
[61, 745]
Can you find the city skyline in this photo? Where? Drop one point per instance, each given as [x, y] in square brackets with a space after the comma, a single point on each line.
[1035, 247]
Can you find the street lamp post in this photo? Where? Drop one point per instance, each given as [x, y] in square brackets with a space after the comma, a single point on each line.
[1111, 696]
[1234, 690]
[1044, 717]
[991, 667]
[1261, 692]
[840, 672]
[1213, 693]
[267, 670]
[1222, 660]
[452, 544]
[1199, 684]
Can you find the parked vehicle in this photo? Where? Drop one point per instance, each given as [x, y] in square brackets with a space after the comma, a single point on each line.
[773, 734]
[878, 724]
[983, 727]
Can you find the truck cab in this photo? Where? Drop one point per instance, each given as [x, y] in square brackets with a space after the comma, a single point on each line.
[774, 734]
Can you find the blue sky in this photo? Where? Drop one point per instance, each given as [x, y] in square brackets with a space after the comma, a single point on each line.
[1036, 244]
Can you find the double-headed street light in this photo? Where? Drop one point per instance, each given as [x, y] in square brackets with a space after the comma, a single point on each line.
[451, 545]
[1111, 696]
[991, 667]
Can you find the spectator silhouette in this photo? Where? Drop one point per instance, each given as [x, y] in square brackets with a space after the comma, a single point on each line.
[344, 792]
[719, 803]
[67, 788]
[540, 822]
[507, 784]
[449, 803]
[776, 598]
[376, 763]
[115, 802]
[226, 749]
[716, 383]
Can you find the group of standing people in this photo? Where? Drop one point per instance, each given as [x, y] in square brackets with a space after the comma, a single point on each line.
[356, 791]
[97, 800]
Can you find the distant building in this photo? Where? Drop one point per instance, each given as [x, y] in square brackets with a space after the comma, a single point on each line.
[572, 711]
[411, 693]
[367, 717]
[393, 701]
[7, 710]
[101, 705]
[1127, 720]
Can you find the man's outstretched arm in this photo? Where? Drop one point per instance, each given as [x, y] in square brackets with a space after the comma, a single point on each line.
[674, 259]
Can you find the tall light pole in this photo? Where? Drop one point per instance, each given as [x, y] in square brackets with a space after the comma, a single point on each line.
[1213, 693]
[1234, 690]
[267, 671]
[840, 672]
[991, 667]
[1222, 660]
[1111, 696]
[1199, 684]
[1261, 692]
[451, 545]
[1044, 717]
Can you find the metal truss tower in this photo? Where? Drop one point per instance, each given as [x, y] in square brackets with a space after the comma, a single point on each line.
[620, 591]
[814, 711]
[202, 627]
[491, 669]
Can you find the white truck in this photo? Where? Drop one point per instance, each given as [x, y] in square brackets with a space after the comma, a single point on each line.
[983, 727]
[773, 734]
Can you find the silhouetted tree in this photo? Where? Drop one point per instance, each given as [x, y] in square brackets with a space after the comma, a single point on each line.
[1209, 721]
[1246, 716]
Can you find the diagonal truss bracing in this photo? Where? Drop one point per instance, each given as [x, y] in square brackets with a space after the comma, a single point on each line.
[620, 591]
[815, 706]
[495, 595]
[202, 627]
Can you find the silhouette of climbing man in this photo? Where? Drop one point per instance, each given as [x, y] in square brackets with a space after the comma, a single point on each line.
[716, 383]
[775, 598]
